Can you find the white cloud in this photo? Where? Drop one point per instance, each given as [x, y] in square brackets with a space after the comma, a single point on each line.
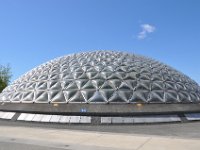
[146, 29]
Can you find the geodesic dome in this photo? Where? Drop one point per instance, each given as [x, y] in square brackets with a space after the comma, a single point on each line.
[102, 77]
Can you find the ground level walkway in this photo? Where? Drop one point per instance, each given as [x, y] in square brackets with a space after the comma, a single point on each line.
[36, 138]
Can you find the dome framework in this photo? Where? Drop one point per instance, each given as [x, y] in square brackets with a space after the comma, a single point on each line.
[100, 85]
[102, 77]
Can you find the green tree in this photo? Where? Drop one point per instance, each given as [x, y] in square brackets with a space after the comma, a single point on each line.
[5, 76]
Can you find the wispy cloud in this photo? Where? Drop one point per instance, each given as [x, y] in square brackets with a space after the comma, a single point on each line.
[146, 29]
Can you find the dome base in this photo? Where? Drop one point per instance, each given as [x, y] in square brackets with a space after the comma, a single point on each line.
[101, 109]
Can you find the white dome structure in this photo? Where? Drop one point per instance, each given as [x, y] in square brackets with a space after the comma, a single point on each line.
[102, 77]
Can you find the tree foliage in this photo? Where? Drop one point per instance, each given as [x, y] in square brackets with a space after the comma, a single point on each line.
[5, 76]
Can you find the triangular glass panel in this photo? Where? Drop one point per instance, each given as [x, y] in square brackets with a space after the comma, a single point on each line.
[87, 94]
[116, 98]
[28, 96]
[112, 68]
[143, 85]
[34, 77]
[30, 86]
[78, 97]
[115, 83]
[146, 68]
[63, 63]
[7, 96]
[140, 96]
[56, 96]
[68, 94]
[53, 72]
[105, 63]
[132, 84]
[91, 69]
[72, 86]
[66, 76]
[41, 97]
[41, 86]
[105, 75]
[14, 87]
[73, 63]
[78, 69]
[170, 85]
[167, 78]
[188, 87]
[73, 68]
[130, 76]
[85, 68]
[21, 86]
[121, 75]
[54, 77]
[183, 96]
[124, 68]
[156, 77]
[124, 86]
[89, 85]
[171, 96]
[97, 97]
[83, 76]
[156, 96]
[114, 76]
[76, 75]
[91, 75]
[80, 83]
[93, 62]
[193, 97]
[87, 63]
[65, 69]
[107, 93]
[83, 62]
[119, 69]
[43, 77]
[179, 86]
[144, 71]
[66, 83]
[116, 64]
[176, 78]
[17, 97]
[79, 75]
[145, 76]
[107, 85]
[125, 94]
[133, 69]
[107, 69]
[54, 85]
[98, 83]
[98, 68]
[157, 85]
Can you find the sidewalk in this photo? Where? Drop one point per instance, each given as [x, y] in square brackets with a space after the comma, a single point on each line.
[74, 140]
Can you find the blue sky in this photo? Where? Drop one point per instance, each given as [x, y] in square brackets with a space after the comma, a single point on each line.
[35, 31]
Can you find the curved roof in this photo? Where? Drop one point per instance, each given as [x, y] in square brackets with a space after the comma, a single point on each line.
[102, 77]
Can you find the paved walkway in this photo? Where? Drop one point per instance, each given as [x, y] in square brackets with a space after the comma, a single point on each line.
[86, 140]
